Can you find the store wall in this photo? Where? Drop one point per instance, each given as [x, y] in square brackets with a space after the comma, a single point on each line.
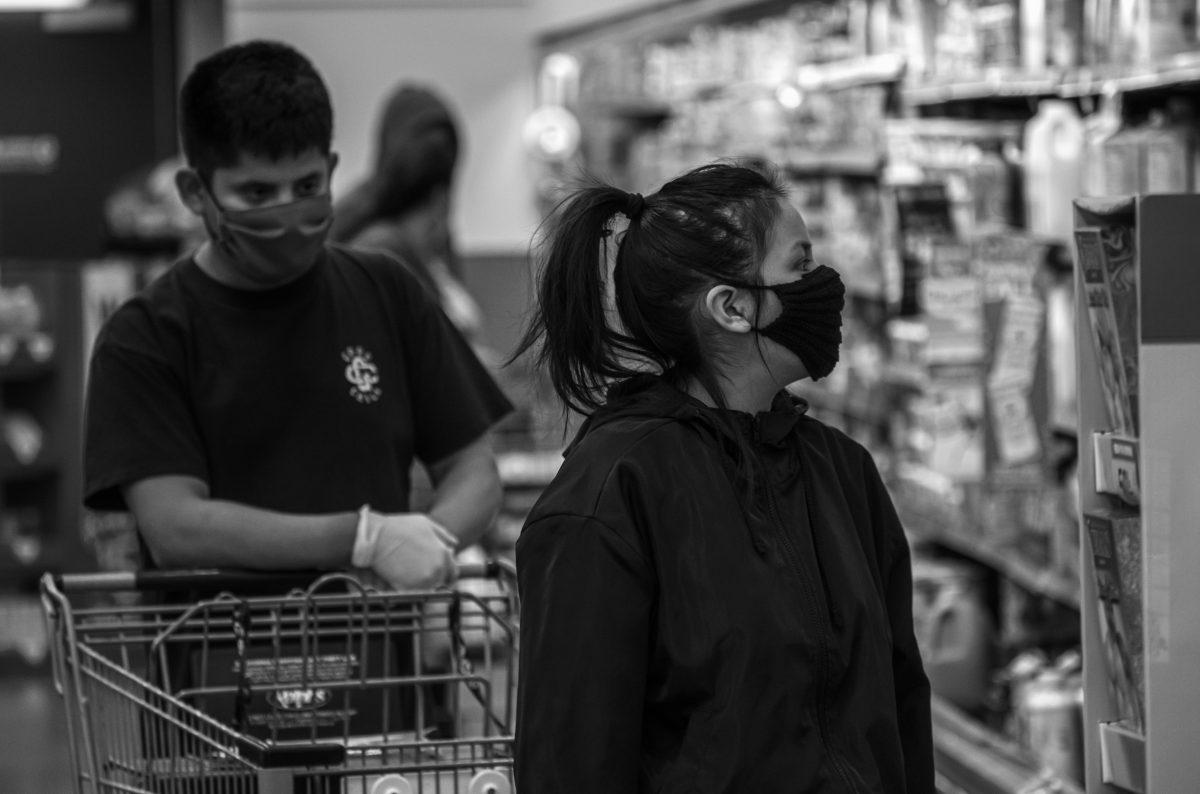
[81, 106]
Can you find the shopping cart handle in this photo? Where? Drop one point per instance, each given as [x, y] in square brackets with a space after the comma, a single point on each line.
[210, 581]
[234, 581]
[294, 755]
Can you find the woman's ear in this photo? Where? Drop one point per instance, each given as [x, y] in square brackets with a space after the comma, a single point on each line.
[728, 306]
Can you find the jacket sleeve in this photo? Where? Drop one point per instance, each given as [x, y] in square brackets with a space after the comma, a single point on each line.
[586, 600]
[912, 685]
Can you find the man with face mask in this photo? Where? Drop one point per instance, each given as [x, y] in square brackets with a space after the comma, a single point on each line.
[260, 404]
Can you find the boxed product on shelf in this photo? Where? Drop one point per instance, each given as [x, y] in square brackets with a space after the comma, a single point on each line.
[1115, 538]
[968, 157]
[1170, 148]
[945, 424]
[1116, 462]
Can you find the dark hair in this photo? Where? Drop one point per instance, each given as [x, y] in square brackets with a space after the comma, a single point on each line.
[711, 225]
[262, 97]
[416, 154]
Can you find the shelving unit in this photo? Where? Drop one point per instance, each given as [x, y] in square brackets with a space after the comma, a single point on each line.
[42, 381]
[1164, 758]
[1040, 581]
[980, 761]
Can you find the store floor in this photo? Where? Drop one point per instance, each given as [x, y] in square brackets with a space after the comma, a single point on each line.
[34, 757]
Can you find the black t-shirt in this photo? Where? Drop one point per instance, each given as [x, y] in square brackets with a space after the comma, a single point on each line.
[309, 398]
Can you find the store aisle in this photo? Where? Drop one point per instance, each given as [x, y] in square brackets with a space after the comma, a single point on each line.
[34, 757]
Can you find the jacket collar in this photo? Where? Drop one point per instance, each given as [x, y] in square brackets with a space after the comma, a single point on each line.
[653, 396]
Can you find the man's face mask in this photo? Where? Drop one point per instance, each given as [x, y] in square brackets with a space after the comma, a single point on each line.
[810, 325]
[279, 238]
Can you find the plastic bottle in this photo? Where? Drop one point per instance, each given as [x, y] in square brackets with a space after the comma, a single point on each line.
[954, 630]
[1053, 710]
[1097, 129]
[1054, 143]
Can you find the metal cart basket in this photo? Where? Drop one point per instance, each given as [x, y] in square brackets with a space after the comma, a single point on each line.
[332, 687]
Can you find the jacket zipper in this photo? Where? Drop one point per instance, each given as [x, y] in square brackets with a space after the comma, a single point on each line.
[793, 558]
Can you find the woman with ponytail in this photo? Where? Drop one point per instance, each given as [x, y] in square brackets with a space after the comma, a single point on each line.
[716, 593]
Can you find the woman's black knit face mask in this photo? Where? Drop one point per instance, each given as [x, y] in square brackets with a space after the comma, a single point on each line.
[810, 324]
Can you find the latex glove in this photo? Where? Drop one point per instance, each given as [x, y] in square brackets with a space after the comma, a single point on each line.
[409, 551]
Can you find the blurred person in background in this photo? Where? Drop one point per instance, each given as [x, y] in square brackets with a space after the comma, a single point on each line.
[404, 206]
[716, 592]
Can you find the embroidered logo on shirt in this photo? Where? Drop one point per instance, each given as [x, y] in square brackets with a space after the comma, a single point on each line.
[362, 374]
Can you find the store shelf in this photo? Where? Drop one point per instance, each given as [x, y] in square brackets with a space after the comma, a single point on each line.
[999, 84]
[982, 761]
[26, 357]
[1122, 756]
[868, 70]
[1032, 578]
[644, 109]
[12, 471]
[661, 19]
[849, 162]
[948, 526]
[1177, 71]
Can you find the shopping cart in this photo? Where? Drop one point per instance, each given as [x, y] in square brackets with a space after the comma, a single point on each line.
[331, 687]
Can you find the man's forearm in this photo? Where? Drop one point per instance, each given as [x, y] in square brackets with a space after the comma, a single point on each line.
[185, 529]
[236, 535]
[467, 494]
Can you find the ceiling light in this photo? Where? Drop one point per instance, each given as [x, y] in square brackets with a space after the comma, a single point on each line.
[40, 5]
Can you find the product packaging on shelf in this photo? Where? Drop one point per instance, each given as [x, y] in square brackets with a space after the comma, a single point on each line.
[1169, 150]
[1107, 263]
[1116, 464]
[954, 630]
[1115, 540]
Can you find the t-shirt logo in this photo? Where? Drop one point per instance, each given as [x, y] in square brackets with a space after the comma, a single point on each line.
[362, 374]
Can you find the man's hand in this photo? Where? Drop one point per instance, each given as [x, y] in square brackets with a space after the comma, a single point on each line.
[410, 551]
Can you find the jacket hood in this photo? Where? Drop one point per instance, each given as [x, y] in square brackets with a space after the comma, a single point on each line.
[653, 397]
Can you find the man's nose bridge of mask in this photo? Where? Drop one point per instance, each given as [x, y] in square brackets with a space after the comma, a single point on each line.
[309, 215]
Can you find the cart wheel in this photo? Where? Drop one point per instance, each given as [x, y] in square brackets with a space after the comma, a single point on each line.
[490, 781]
[392, 784]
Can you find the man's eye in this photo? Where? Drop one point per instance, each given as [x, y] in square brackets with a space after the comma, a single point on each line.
[255, 194]
[309, 187]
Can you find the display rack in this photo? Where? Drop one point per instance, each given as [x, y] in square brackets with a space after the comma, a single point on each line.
[39, 381]
[1163, 759]
[980, 761]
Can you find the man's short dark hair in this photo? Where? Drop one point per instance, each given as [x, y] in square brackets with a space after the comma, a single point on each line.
[261, 98]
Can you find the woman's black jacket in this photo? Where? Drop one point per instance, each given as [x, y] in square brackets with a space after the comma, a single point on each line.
[682, 633]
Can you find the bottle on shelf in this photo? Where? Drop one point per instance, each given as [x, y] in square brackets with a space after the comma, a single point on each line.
[1054, 145]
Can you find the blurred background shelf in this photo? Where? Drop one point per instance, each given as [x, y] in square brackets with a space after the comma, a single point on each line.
[981, 761]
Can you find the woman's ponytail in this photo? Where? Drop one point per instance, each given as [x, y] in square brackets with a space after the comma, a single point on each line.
[581, 350]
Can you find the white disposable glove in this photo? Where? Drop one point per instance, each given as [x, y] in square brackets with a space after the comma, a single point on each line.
[409, 551]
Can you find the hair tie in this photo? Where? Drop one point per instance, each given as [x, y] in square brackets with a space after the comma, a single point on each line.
[634, 204]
